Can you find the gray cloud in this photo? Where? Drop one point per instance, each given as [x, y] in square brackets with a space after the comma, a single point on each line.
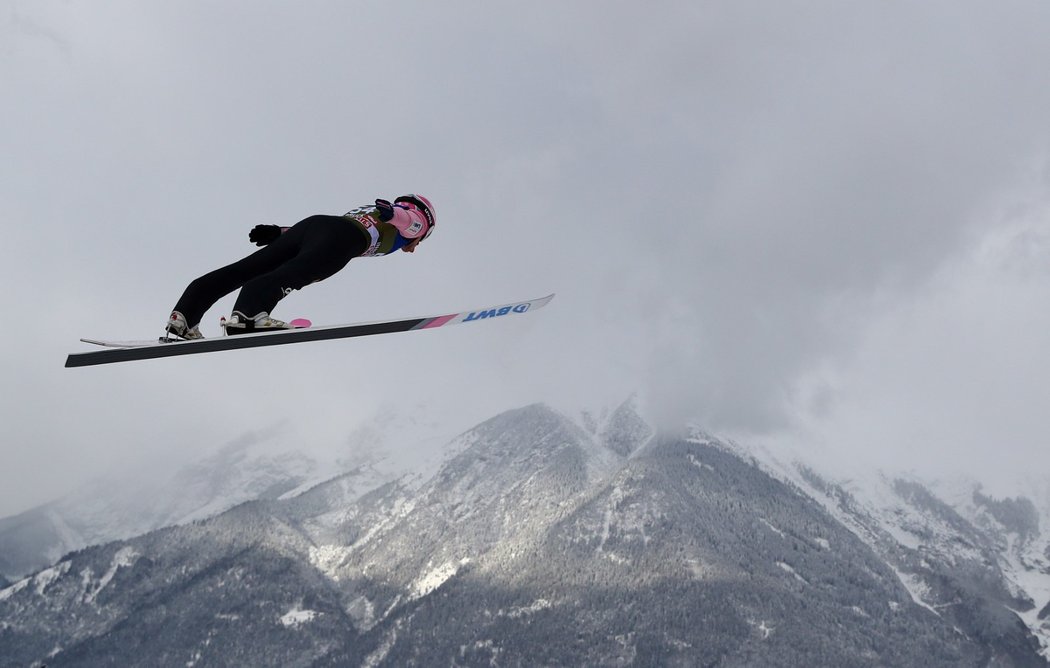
[741, 207]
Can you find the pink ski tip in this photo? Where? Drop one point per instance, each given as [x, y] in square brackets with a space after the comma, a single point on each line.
[439, 321]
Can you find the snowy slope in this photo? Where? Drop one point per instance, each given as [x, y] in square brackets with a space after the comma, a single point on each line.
[539, 539]
[941, 536]
[112, 509]
[1020, 529]
[387, 446]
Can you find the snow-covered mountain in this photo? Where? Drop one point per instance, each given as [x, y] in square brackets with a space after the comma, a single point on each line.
[256, 466]
[951, 545]
[540, 539]
[114, 509]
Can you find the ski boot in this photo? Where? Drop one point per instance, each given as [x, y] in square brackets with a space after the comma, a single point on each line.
[178, 329]
[242, 324]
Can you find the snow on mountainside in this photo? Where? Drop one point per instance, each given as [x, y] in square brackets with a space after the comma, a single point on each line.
[108, 510]
[253, 467]
[1019, 530]
[541, 539]
[952, 545]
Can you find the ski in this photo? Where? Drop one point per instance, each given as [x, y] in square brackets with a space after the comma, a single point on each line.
[127, 351]
[298, 323]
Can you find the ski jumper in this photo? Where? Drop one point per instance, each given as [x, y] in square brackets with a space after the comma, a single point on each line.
[311, 250]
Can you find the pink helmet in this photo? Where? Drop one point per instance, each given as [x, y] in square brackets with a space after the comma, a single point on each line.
[424, 205]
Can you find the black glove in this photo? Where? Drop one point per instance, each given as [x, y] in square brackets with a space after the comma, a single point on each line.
[262, 235]
[386, 210]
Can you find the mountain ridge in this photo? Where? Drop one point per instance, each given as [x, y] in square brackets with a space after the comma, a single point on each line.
[544, 539]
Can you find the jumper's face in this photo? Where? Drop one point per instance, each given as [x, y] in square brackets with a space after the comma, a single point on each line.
[411, 246]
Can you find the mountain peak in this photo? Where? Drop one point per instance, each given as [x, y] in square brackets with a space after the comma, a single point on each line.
[539, 540]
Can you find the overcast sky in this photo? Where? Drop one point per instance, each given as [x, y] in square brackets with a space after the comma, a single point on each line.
[817, 222]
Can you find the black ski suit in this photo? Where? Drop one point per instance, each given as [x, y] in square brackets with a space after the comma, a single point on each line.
[311, 250]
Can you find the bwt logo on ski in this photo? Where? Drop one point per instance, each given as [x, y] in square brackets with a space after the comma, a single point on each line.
[496, 312]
